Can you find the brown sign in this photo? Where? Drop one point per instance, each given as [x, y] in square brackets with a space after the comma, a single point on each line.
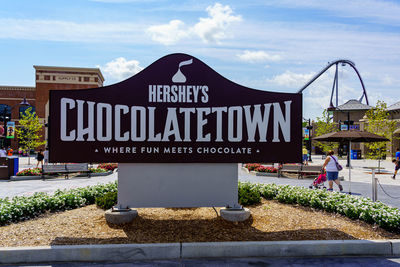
[176, 110]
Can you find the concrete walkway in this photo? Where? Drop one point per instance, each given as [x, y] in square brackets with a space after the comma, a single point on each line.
[361, 179]
[29, 187]
[360, 185]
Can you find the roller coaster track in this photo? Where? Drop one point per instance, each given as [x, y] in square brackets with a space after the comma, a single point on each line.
[336, 80]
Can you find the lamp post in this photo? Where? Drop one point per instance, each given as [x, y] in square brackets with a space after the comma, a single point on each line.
[307, 137]
[23, 103]
[309, 147]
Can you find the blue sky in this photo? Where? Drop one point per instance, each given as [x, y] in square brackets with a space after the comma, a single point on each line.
[270, 45]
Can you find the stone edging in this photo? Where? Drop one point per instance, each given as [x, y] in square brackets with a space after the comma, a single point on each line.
[38, 177]
[269, 174]
[129, 252]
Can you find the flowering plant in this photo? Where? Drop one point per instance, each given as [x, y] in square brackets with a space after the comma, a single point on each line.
[23, 208]
[353, 207]
[252, 166]
[30, 172]
[108, 166]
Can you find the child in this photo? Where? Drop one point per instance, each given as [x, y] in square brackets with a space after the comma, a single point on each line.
[305, 156]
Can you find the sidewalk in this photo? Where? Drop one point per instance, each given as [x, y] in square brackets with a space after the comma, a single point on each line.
[361, 180]
[29, 187]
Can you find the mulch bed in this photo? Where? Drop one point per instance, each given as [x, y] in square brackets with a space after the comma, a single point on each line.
[270, 221]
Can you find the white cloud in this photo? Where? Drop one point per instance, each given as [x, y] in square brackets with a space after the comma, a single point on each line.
[258, 56]
[120, 68]
[387, 80]
[291, 79]
[68, 31]
[168, 34]
[386, 12]
[317, 95]
[212, 29]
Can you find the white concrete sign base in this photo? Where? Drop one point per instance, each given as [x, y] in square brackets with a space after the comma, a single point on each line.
[120, 217]
[177, 185]
[235, 215]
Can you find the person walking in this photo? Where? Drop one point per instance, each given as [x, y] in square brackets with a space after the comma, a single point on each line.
[396, 161]
[39, 158]
[305, 155]
[332, 171]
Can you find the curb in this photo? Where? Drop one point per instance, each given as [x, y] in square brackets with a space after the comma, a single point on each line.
[266, 174]
[37, 177]
[168, 251]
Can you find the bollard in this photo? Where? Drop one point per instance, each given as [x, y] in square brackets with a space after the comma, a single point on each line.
[374, 187]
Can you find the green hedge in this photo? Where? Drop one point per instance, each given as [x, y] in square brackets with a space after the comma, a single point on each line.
[348, 205]
[107, 201]
[23, 208]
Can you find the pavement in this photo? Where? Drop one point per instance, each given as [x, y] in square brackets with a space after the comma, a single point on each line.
[361, 181]
[10, 188]
[243, 262]
[386, 252]
[202, 250]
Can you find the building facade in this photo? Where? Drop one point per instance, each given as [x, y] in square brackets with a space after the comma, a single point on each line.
[46, 78]
[355, 112]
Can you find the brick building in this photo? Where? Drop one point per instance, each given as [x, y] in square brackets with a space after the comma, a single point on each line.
[47, 78]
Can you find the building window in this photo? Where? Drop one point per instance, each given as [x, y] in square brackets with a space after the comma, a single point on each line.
[47, 77]
[54, 78]
[80, 79]
[96, 79]
[86, 79]
[23, 108]
[5, 111]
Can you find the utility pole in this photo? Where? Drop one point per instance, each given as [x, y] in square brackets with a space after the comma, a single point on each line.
[348, 123]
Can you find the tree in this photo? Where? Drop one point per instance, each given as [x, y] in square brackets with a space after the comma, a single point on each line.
[28, 131]
[380, 124]
[324, 126]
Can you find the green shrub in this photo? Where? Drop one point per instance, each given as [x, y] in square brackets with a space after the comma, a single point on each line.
[97, 170]
[107, 201]
[351, 206]
[249, 194]
[22, 208]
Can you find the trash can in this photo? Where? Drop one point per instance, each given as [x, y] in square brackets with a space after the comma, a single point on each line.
[4, 169]
[358, 154]
[13, 165]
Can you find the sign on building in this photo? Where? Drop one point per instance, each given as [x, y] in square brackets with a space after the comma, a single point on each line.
[178, 109]
[10, 129]
[306, 134]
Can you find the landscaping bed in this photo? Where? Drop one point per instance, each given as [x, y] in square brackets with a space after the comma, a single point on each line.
[103, 169]
[270, 221]
[279, 212]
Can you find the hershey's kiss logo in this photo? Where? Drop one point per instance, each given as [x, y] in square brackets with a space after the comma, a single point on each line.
[179, 77]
